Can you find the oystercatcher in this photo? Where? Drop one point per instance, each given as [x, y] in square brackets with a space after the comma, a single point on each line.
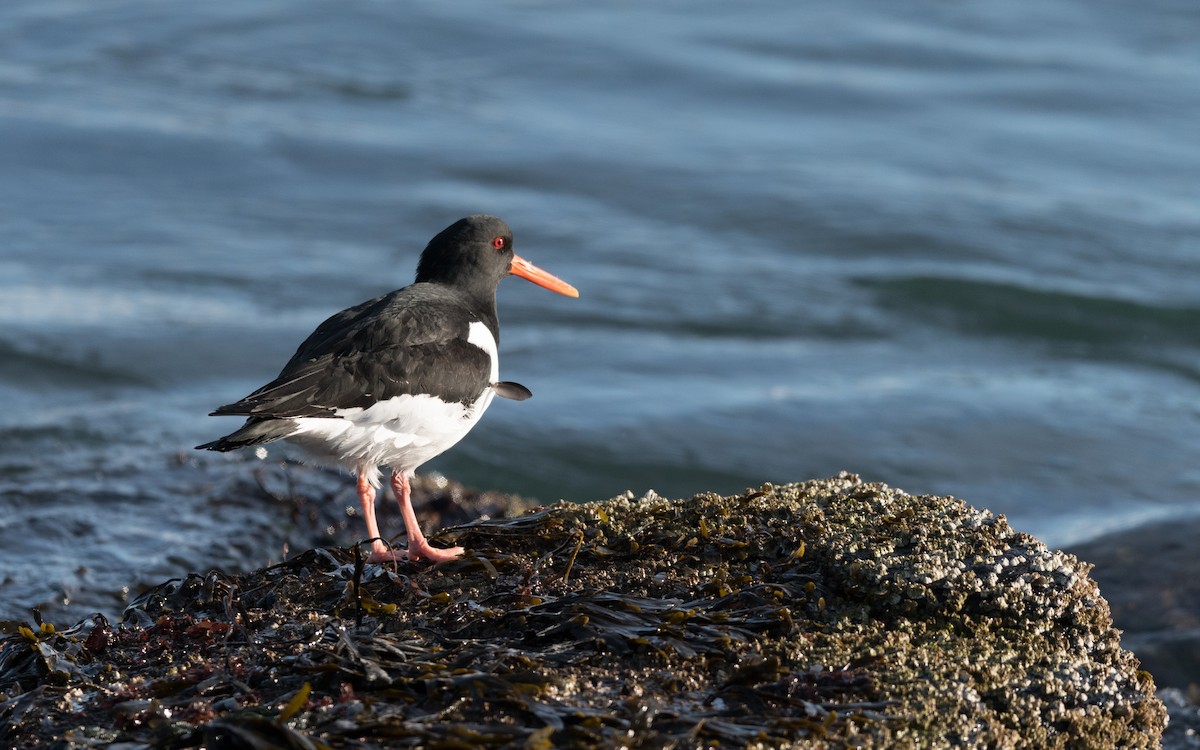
[398, 379]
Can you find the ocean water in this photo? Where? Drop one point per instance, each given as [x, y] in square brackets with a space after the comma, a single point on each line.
[951, 247]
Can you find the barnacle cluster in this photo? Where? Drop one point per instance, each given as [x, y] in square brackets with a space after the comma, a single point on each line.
[831, 613]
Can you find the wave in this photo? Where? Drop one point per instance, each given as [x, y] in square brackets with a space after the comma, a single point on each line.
[48, 369]
[1004, 309]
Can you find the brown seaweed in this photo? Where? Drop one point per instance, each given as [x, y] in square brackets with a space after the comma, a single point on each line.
[753, 620]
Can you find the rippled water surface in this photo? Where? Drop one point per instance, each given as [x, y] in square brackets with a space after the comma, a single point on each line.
[949, 247]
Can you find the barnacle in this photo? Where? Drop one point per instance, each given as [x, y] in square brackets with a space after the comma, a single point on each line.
[831, 613]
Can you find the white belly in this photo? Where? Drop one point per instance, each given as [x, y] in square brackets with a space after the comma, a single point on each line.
[402, 432]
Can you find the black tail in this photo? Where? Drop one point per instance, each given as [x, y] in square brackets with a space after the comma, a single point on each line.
[254, 432]
[220, 444]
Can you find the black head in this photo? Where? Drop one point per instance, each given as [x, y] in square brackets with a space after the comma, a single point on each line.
[474, 253]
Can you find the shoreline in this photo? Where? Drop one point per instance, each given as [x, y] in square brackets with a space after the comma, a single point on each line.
[843, 567]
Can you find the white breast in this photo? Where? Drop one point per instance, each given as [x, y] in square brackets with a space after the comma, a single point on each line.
[479, 335]
[402, 432]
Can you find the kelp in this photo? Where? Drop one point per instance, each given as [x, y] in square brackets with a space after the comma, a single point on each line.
[706, 622]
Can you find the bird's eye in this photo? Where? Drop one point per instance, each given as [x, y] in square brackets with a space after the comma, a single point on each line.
[498, 243]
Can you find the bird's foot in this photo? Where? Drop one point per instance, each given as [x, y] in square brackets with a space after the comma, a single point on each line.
[434, 554]
[415, 552]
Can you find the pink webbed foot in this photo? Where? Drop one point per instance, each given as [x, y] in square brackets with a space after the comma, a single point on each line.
[433, 554]
[414, 553]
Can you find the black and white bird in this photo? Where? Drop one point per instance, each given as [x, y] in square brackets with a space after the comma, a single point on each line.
[398, 379]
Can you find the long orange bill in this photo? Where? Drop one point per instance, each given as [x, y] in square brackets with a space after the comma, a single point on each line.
[526, 270]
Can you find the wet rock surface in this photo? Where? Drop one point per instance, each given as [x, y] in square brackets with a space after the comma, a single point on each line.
[1151, 578]
[831, 613]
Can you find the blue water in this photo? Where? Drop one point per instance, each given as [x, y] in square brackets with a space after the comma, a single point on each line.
[952, 247]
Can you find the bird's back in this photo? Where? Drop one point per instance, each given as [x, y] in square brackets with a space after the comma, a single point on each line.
[416, 341]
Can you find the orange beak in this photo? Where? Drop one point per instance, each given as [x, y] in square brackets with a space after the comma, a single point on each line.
[526, 270]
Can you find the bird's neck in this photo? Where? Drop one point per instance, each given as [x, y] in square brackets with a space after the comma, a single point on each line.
[484, 308]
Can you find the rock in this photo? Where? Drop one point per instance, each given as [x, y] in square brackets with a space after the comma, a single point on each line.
[1151, 578]
[831, 613]
[1183, 731]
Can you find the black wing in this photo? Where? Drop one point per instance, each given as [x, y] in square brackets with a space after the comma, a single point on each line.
[411, 341]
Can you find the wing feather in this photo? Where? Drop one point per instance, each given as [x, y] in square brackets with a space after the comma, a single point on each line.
[408, 342]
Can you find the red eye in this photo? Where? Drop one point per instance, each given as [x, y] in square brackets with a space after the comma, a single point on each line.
[498, 243]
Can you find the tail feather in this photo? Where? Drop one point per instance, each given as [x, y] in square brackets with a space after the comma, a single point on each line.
[254, 432]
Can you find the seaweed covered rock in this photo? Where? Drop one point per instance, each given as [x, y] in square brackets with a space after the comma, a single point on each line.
[831, 613]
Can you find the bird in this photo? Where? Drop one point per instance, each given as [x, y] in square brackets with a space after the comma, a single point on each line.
[398, 379]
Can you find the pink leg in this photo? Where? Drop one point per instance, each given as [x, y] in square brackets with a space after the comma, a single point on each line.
[418, 547]
[366, 496]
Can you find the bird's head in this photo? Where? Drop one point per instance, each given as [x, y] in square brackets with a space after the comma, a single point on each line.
[475, 253]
